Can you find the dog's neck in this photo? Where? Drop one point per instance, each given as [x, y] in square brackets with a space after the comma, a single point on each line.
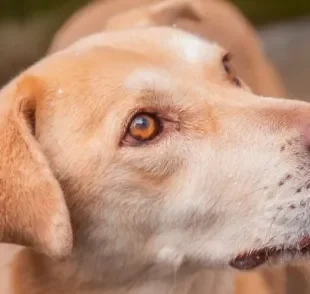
[33, 271]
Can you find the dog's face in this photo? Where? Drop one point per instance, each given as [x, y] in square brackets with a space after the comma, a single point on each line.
[165, 157]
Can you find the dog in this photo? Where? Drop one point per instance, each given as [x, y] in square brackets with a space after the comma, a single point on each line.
[185, 15]
[168, 163]
[212, 20]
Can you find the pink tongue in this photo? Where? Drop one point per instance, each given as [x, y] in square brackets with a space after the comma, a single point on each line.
[249, 261]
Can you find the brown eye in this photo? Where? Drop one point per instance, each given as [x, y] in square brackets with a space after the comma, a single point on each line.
[231, 73]
[144, 127]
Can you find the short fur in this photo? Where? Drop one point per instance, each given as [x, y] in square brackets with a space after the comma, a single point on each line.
[34, 273]
[149, 219]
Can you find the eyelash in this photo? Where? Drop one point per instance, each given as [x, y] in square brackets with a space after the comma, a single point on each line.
[229, 71]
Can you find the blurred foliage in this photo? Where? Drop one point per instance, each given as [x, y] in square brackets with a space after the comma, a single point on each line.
[264, 11]
[26, 8]
[259, 11]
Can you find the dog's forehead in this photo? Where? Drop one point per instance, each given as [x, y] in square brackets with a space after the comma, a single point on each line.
[173, 43]
[114, 65]
[150, 78]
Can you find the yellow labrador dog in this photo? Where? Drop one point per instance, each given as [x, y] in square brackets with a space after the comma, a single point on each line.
[216, 20]
[169, 166]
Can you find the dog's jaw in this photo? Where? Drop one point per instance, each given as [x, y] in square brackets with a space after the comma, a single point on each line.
[163, 276]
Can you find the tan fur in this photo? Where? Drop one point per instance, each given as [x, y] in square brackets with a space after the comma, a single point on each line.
[32, 208]
[150, 219]
[216, 20]
[61, 118]
[213, 19]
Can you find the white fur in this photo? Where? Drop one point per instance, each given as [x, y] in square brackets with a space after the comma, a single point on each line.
[150, 79]
[192, 49]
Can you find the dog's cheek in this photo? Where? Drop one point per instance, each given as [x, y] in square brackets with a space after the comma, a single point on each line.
[154, 166]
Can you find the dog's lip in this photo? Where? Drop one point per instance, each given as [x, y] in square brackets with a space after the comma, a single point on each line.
[255, 258]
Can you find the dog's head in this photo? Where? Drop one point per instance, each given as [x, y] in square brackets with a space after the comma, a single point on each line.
[164, 156]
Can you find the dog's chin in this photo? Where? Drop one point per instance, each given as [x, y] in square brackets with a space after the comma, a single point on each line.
[254, 258]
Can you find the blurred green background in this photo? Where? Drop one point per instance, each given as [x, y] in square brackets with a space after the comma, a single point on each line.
[27, 26]
[259, 11]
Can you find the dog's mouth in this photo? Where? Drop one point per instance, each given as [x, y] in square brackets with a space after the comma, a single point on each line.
[253, 259]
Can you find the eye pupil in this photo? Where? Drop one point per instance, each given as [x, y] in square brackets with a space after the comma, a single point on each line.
[141, 122]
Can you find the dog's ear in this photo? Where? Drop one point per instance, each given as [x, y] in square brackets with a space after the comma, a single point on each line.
[33, 211]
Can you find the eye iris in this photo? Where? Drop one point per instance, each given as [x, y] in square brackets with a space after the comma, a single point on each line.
[143, 127]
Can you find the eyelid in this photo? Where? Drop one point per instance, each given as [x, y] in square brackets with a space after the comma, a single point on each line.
[154, 111]
[226, 60]
[167, 123]
[230, 70]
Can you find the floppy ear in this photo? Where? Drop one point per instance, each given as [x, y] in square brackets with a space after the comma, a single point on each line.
[33, 211]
